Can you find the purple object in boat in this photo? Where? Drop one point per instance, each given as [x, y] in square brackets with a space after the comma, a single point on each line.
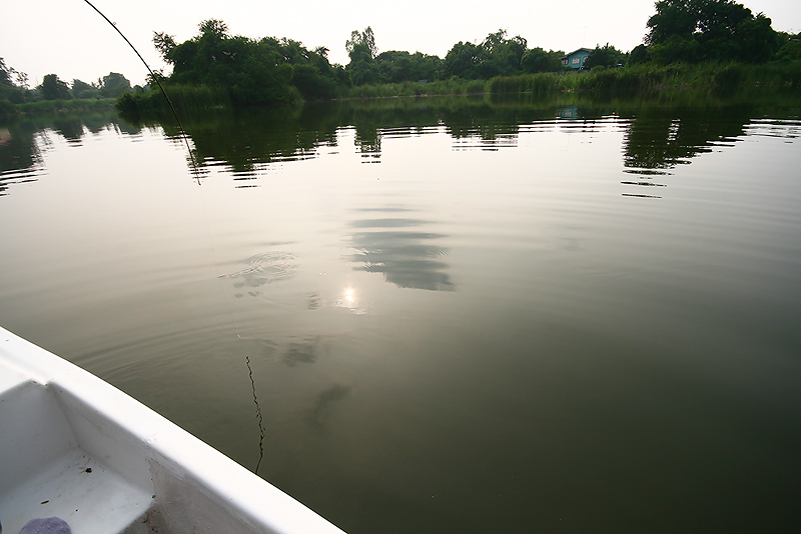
[46, 525]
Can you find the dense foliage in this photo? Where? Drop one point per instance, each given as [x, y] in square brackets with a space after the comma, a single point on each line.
[719, 30]
[215, 68]
[14, 91]
[495, 56]
[605, 56]
[249, 71]
[9, 90]
[54, 89]
[397, 67]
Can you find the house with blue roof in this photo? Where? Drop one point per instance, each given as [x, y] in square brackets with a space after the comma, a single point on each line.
[576, 58]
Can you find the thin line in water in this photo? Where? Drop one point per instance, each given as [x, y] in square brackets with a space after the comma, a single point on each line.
[258, 413]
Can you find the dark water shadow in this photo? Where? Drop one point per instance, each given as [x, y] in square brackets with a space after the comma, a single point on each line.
[319, 416]
[306, 351]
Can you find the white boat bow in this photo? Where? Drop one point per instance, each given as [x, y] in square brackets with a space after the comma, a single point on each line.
[73, 446]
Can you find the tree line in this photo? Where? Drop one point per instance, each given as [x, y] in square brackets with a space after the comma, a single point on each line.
[14, 87]
[250, 71]
[697, 31]
[496, 55]
[215, 67]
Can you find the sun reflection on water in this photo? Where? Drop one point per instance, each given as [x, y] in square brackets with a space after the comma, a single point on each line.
[349, 301]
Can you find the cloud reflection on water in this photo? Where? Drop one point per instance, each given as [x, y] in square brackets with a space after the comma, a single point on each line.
[406, 257]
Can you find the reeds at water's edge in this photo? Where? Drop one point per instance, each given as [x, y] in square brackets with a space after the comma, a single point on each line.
[643, 79]
[649, 78]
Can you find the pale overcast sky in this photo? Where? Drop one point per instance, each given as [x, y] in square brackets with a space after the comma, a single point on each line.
[68, 38]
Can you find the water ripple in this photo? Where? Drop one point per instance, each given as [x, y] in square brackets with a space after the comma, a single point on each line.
[264, 268]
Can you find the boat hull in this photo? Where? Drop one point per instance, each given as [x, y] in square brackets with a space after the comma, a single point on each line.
[73, 446]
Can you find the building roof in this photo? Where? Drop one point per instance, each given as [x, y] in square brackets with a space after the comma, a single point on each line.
[588, 50]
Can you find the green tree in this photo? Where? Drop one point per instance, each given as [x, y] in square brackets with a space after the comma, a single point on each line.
[397, 66]
[791, 47]
[164, 43]
[496, 55]
[504, 55]
[6, 74]
[757, 40]
[22, 78]
[84, 90]
[363, 68]
[8, 89]
[214, 28]
[54, 89]
[673, 17]
[605, 56]
[639, 54]
[721, 29]
[313, 75]
[115, 85]
[366, 38]
[538, 60]
[362, 51]
[463, 60]
[248, 71]
[677, 49]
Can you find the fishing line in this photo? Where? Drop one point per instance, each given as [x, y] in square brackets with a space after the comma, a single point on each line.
[235, 324]
[258, 413]
[208, 230]
[155, 78]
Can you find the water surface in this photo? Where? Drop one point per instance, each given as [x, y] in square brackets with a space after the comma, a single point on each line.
[440, 315]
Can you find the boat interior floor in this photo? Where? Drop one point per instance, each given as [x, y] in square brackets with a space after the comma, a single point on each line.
[45, 472]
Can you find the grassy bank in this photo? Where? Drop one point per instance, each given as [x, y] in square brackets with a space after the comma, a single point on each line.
[64, 106]
[638, 80]
[453, 86]
[649, 78]
[189, 99]
[185, 98]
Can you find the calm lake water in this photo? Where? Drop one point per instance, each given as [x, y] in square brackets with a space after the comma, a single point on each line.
[440, 315]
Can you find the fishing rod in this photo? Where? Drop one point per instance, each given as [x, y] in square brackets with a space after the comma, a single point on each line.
[197, 174]
[155, 78]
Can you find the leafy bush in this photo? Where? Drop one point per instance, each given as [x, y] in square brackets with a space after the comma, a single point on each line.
[185, 98]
